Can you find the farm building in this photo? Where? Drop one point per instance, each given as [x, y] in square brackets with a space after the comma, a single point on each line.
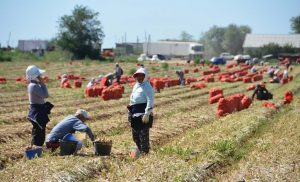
[29, 45]
[128, 48]
[253, 41]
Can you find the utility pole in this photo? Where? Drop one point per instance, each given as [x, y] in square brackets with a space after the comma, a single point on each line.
[137, 45]
[8, 39]
[125, 37]
[148, 43]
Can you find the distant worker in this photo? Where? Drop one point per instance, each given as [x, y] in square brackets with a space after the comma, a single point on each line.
[118, 72]
[91, 83]
[285, 73]
[64, 82]
[276, 70]
[261, 92]
[68, 126]
[287, 63]
[64, 79]
[270, 71]
[94, 81]
[140, 109]
[202, 61]
[180, 74]
[253, 69]
[107, 80]
[39, 109]
[275, 79]
[110, 77]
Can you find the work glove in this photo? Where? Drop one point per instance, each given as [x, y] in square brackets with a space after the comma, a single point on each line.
[145, 118]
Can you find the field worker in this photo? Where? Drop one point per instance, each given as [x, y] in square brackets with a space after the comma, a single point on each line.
[261, 92]
[202, 61]
[64, 79]
[91, 83]
[285, 73]
[276, 70]
[39, 109]
[275, 79]
[109, 79]
[180, 74]
[140, 109]
[68, 126]
[118, 72]
[270, 71]
[253, 69]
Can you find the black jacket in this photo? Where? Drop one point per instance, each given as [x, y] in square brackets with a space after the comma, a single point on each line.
[136, 122]
[38, 113]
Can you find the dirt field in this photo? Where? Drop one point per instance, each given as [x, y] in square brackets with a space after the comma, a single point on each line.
[188, 141]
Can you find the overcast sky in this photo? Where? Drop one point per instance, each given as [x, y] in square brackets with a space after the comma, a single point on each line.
[37, 19]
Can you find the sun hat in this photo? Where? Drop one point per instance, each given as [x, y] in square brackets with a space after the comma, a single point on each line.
[139, 72]
[84, 113]
[33, 72]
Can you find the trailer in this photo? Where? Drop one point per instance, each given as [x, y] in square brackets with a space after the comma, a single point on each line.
[174, 49]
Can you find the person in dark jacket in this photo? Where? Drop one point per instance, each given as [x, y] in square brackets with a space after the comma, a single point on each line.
[39, 109]
[140, 109]
[67, 126]
[180, 74]
[118, 73]
[261, 92]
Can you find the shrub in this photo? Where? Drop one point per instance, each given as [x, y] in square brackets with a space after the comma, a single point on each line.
[154, 69]
[5, 58]
[131, 71]
[165, 66]
[225, 147]
[197, 60]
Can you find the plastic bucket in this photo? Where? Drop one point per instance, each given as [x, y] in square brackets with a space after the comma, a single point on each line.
[31, 153]
[67, 147]
[102, 148]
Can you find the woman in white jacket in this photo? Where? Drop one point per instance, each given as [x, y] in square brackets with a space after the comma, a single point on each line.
[140, 109]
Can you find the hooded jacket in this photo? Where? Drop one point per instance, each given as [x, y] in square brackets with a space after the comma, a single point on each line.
[143, 93]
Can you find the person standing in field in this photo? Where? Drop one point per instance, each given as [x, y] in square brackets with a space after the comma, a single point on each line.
[140, 109]
[180, 74]
[39, 109]
[118, 72]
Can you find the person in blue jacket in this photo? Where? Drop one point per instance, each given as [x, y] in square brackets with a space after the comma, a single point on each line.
[68, 125]
[39, 108]
[140, 109]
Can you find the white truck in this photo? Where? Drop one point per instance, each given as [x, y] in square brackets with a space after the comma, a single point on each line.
[173, 49]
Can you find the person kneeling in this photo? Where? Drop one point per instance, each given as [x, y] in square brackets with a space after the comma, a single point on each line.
[66, 127]
[261, 92]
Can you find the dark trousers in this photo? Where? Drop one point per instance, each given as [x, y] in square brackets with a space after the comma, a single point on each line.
[38, 134]
[118, 79]
[141, 139]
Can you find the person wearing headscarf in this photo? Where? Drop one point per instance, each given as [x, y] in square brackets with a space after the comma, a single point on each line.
[140, 110]
[39, 108]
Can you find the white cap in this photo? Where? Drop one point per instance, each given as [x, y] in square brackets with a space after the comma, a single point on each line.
[84, 113]
[33, 72]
